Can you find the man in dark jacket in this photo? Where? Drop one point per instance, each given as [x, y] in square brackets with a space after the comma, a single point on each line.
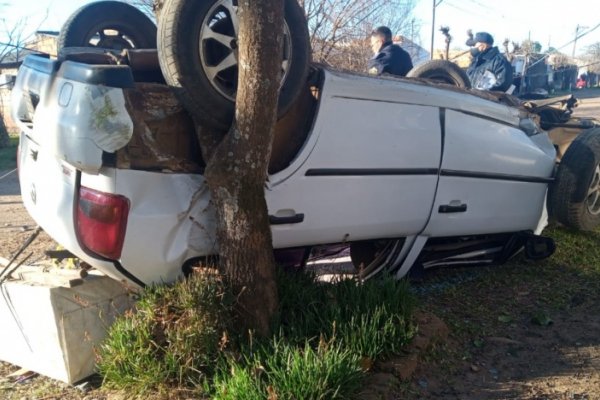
[389, 58]
[489, 70]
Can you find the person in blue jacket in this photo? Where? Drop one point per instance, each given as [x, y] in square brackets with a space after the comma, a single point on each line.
[389, 58]
[489, 69]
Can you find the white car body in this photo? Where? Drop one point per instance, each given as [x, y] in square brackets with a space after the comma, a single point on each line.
[385, 158]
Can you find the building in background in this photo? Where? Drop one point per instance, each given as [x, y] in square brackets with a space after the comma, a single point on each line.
[44, 42]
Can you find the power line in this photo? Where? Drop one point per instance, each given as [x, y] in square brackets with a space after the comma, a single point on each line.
[577, 37]
[566, 44]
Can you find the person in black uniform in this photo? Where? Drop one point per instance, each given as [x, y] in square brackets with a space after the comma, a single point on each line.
[389, 58]
[489, 69]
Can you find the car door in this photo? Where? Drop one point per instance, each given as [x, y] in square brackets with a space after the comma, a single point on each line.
[371, 169]
[493, 178]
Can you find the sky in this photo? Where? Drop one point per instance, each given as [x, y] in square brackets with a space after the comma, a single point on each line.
[542, 20]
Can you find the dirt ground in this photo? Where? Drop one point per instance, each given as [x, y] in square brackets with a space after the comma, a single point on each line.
[16, 226]
[522, 360]
[558, 361]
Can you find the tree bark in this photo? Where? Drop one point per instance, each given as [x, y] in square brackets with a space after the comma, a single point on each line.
[236, 170]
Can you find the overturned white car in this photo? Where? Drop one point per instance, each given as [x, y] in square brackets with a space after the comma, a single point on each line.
[404, 172]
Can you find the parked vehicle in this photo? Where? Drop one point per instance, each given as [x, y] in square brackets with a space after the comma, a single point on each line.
[403, 171]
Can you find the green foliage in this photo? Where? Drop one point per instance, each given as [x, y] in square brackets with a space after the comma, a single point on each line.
[373, 319]
[331, 371]
[8, 154]
[239, 383]
[175, 337]
[183, 337]
[284, 371]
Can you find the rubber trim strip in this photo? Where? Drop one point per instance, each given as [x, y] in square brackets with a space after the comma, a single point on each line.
[424, 171]
[370, 171]
[495, 176]
[128, 274]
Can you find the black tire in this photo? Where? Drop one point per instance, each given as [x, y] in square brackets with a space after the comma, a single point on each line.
[134, 29]
[441, 71]
[574, 196]
[181, 61]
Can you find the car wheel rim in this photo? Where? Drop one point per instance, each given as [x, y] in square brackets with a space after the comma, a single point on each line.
[593, 196]
[218, 48]
[111, 38]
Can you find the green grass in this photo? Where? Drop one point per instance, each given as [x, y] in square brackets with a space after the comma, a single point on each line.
[288, 371]
[8, 155]
[175, 337]
[363, 316]
[326, 336]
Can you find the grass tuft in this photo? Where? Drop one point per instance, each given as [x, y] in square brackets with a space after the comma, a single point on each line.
[373, 319]
[175, 337]
[183, 337]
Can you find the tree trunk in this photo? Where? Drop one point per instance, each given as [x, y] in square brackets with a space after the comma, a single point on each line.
[237, 164]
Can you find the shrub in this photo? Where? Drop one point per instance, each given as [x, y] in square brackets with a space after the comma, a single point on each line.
[175, 337]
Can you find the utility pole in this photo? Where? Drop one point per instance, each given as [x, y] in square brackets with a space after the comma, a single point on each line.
[575, 41]
[412, 39]
[433, 30]
[435, 4]
[577, 37]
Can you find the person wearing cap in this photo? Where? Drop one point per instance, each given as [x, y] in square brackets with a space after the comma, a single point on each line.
[489, 69]
[389, 58]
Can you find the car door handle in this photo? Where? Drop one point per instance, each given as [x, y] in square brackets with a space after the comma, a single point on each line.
[447, 208]
[290, 219]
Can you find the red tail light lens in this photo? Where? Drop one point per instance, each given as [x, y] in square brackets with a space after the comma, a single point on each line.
[101, 222]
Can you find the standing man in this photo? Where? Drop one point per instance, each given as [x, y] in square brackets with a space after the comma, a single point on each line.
[389, 58]
[489, 70]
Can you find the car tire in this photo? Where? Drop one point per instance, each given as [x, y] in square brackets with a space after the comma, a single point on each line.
[133, 28]
[187, 50]
[574, 196]
[441, 71]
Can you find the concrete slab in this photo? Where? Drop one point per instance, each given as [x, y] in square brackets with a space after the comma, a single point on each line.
[50, 322]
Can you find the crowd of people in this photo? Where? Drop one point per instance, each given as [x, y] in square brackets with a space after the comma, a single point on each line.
[489, 69]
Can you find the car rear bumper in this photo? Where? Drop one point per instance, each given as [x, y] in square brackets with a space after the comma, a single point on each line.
[169, 222]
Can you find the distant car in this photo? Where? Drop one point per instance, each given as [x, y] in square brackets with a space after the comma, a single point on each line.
[404, 172]
[581, 84]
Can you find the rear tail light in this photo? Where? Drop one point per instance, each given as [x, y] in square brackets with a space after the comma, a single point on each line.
[101, 222]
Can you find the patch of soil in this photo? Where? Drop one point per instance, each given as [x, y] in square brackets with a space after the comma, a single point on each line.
[558, 359]
[387, 375]
[16, 226]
